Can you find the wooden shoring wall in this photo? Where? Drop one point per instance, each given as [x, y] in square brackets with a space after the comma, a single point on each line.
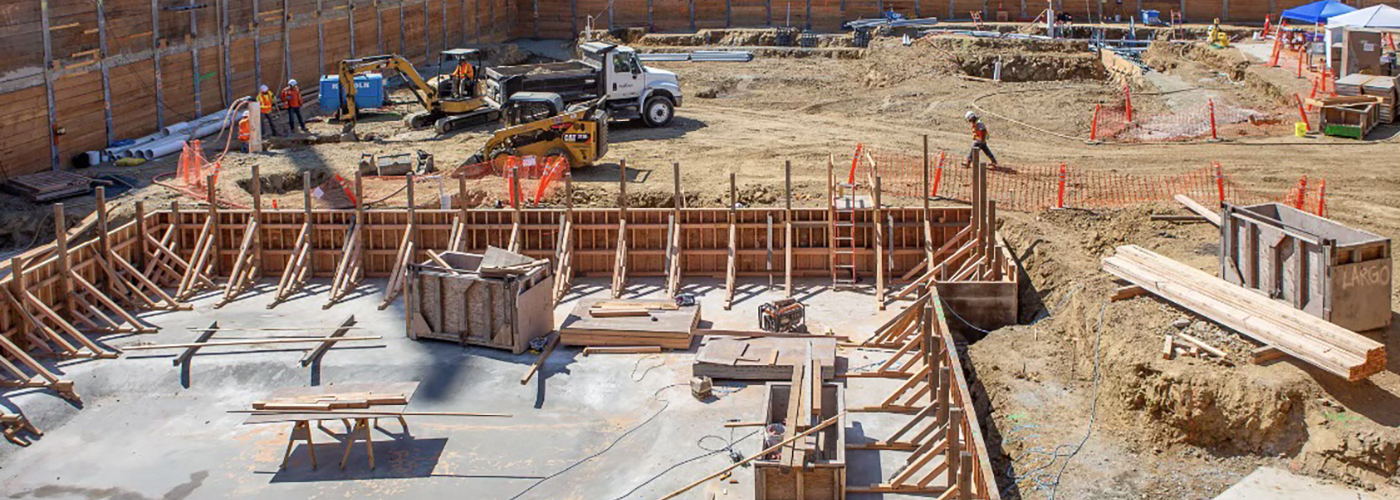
[78, 74]
[704, 238]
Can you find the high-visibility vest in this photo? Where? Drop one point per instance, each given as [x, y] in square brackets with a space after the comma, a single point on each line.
[243, 133]
[979, 132]
[292, 96]
[265, 99]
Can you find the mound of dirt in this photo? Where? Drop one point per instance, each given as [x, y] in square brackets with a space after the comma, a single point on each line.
[1262, 414]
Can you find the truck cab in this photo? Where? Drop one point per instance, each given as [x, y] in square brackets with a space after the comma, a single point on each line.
[633, 90]
[613, 73]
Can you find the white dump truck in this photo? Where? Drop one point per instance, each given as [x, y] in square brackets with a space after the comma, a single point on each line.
[630, 90]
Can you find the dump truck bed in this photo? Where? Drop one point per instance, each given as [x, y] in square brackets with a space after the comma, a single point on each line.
[573, 80]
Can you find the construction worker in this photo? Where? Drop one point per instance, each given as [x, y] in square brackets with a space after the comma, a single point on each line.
[462, 77]
[265, 100]
[244, 134]
[979, 139]
[291, 99]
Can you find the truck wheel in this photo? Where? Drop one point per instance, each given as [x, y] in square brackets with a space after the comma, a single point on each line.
[658, 112]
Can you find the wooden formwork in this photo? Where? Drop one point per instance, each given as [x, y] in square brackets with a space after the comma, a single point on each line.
[703, 237]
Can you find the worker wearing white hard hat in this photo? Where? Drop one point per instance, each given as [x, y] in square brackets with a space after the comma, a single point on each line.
[291, 99]
[265, 100]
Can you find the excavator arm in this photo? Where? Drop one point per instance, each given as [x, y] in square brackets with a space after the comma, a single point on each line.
[349, 68]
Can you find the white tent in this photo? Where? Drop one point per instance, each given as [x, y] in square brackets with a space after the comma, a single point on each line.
[1377, 17]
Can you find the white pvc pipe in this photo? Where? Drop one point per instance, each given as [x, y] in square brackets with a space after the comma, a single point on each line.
[177, 129]
[164, 148]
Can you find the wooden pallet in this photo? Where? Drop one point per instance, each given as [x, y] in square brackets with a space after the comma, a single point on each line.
[49, 186]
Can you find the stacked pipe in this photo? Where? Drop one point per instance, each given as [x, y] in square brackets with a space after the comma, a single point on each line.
[167, 141]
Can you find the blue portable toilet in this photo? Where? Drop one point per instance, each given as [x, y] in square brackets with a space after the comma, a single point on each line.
[1151, 17]
[369, 91]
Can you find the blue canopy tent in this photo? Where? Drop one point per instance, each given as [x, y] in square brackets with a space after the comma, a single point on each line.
[1317, 12]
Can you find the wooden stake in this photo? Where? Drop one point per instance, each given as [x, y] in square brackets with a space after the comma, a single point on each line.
[787, 228]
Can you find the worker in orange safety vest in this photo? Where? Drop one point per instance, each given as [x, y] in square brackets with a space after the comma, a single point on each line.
[291, 99]
[265, 100]
[243, 132]
[979, 139]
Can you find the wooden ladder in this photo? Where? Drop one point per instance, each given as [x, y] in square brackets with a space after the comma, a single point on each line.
[843, 236]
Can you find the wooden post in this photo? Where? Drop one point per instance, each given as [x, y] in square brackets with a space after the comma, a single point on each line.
[944, 376]
[104, 244]
[255, 189]
[965, 474]
[214, 240]
[952, 434]
[831, 215]
[412, 211]
[143, 247]
[879, 250]
[60, 226]
[787, 227]
[360, 221]
[306, 210]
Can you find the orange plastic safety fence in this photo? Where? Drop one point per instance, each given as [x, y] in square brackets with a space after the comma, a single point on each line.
[1061, 185]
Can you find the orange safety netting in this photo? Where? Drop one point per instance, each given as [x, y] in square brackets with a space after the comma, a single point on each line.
[1061, 185]
[527, 174]
[1121, 122]
[194, 169]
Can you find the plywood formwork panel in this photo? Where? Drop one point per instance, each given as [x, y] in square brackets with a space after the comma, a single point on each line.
[1202, 12]
[710, 13]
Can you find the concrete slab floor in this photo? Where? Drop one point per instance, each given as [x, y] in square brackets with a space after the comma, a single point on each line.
[601, 427]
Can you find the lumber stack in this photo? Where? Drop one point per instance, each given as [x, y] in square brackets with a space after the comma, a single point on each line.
[1371, 85]
[1313, 340]
[328, 402]
[600, 322]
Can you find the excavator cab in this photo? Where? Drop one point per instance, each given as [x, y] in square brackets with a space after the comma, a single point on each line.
[459, 74]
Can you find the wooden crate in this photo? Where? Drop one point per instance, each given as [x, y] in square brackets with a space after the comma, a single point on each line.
[1350, 120]
[822, 479]
[460, 305]
[1328, 270]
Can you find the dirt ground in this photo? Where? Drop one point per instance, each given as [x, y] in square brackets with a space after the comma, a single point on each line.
[1080, 403]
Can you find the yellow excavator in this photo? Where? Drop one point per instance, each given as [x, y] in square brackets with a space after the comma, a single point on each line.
[450, 101]
[538, 124]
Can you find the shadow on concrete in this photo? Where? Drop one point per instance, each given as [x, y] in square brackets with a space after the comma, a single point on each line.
[558, 362]
[399, 458]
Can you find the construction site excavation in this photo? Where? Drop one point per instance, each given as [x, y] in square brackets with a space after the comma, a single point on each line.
[685, 249]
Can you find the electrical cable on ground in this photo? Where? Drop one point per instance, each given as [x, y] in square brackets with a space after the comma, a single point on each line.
[665, 404]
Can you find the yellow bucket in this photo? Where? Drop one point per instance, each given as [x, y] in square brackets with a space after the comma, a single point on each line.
[1300, 129]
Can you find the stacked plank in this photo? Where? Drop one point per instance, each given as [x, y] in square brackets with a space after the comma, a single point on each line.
[1327, 346]
[1371, 85]
[328, 402]
[598, 322]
